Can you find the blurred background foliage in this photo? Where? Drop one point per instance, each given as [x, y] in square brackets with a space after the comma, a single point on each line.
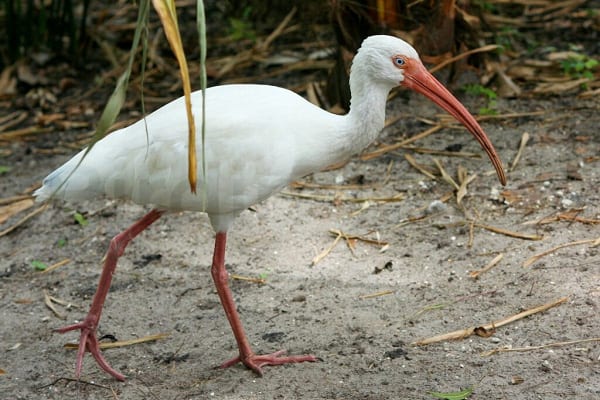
[251, 40]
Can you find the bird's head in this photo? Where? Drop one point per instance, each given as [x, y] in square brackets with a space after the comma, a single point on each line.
[391, 62]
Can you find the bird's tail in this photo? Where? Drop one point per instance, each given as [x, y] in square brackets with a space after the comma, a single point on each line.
[61, 183]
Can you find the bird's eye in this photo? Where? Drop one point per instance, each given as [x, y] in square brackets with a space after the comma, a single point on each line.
[399, 61]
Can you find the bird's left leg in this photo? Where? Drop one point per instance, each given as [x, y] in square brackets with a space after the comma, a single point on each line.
[246, 356]
[88, 326]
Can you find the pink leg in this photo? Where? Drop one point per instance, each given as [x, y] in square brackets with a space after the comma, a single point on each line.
[246, 356]
[88, 326]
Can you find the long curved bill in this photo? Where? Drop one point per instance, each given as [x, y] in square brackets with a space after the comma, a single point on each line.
[417, 78]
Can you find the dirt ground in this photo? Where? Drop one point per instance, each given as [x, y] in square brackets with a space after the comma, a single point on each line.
[163, 284]
[359, 309]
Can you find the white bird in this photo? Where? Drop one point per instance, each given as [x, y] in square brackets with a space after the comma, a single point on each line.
[259, 138]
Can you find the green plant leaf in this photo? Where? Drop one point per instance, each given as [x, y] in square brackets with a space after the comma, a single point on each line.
[4, 169]
[463, 394]
[80, 219]
[39, 265]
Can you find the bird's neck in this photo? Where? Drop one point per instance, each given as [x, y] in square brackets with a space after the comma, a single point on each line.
[366, 117]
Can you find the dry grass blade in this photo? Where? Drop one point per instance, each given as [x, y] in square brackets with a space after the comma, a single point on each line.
[506, 232]
[325, 252]
[122, 343]
[56, 265]
[569, 215]
[391, 147]
[424, 150]
[378, 294]
[376, 242]
[475, 274]
[168, 16]
[536, 258]
[411, 160]
[489, 47]
[543, 346]
[524, 140]
[12, 119]
[445, 175]
[50, 305]
[12, 199]
[14, 208]
[19, 133]
[260, 281]
[462, 190]
[278, 31]
[23, 220]
[319, 197]
[486, 329]
[359, 186]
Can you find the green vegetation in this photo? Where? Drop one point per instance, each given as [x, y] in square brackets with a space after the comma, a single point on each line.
[487, 93]
[579, 66]
[241, 28]
[39, 265]
[80, 219]
[43, 25]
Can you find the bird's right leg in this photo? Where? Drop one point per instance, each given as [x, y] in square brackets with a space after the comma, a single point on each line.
[246, 356]
[88, 326]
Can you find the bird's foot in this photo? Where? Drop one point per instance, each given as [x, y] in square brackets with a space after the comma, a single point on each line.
[256, 362]
[89, 342]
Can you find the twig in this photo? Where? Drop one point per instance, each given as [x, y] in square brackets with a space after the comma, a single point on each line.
[508, 233]
[48, 303]
[16, 117]
[489, 47]
[264, 45]
[18, 133]
[446, 153]
[12, 199]
[535, 258]
[391, 147]
[462, 190]
[347, 236]
[569, 215]
[524, 140]
[411, 160]
[325, 252]
[374, 185]
[14, 208]
[378, 294]
[78, 380]
[543, 346]
[56, 265]
[317, 197]
[23, 220]
[475, 274]
[260, 281]
[487, 330]
[471, 234]
[445, 175]
[122, 343]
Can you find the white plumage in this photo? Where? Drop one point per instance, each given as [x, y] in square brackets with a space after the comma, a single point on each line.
[258, 139]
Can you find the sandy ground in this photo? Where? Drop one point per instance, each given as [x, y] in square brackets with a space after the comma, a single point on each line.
[163, 283]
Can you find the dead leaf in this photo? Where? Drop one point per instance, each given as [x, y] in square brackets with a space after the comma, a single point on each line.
[484, 332]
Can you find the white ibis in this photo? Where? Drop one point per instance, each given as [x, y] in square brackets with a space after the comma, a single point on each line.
[258, 139]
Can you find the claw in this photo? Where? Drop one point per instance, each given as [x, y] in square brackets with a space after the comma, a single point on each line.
[256, 362]
[89, 342]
